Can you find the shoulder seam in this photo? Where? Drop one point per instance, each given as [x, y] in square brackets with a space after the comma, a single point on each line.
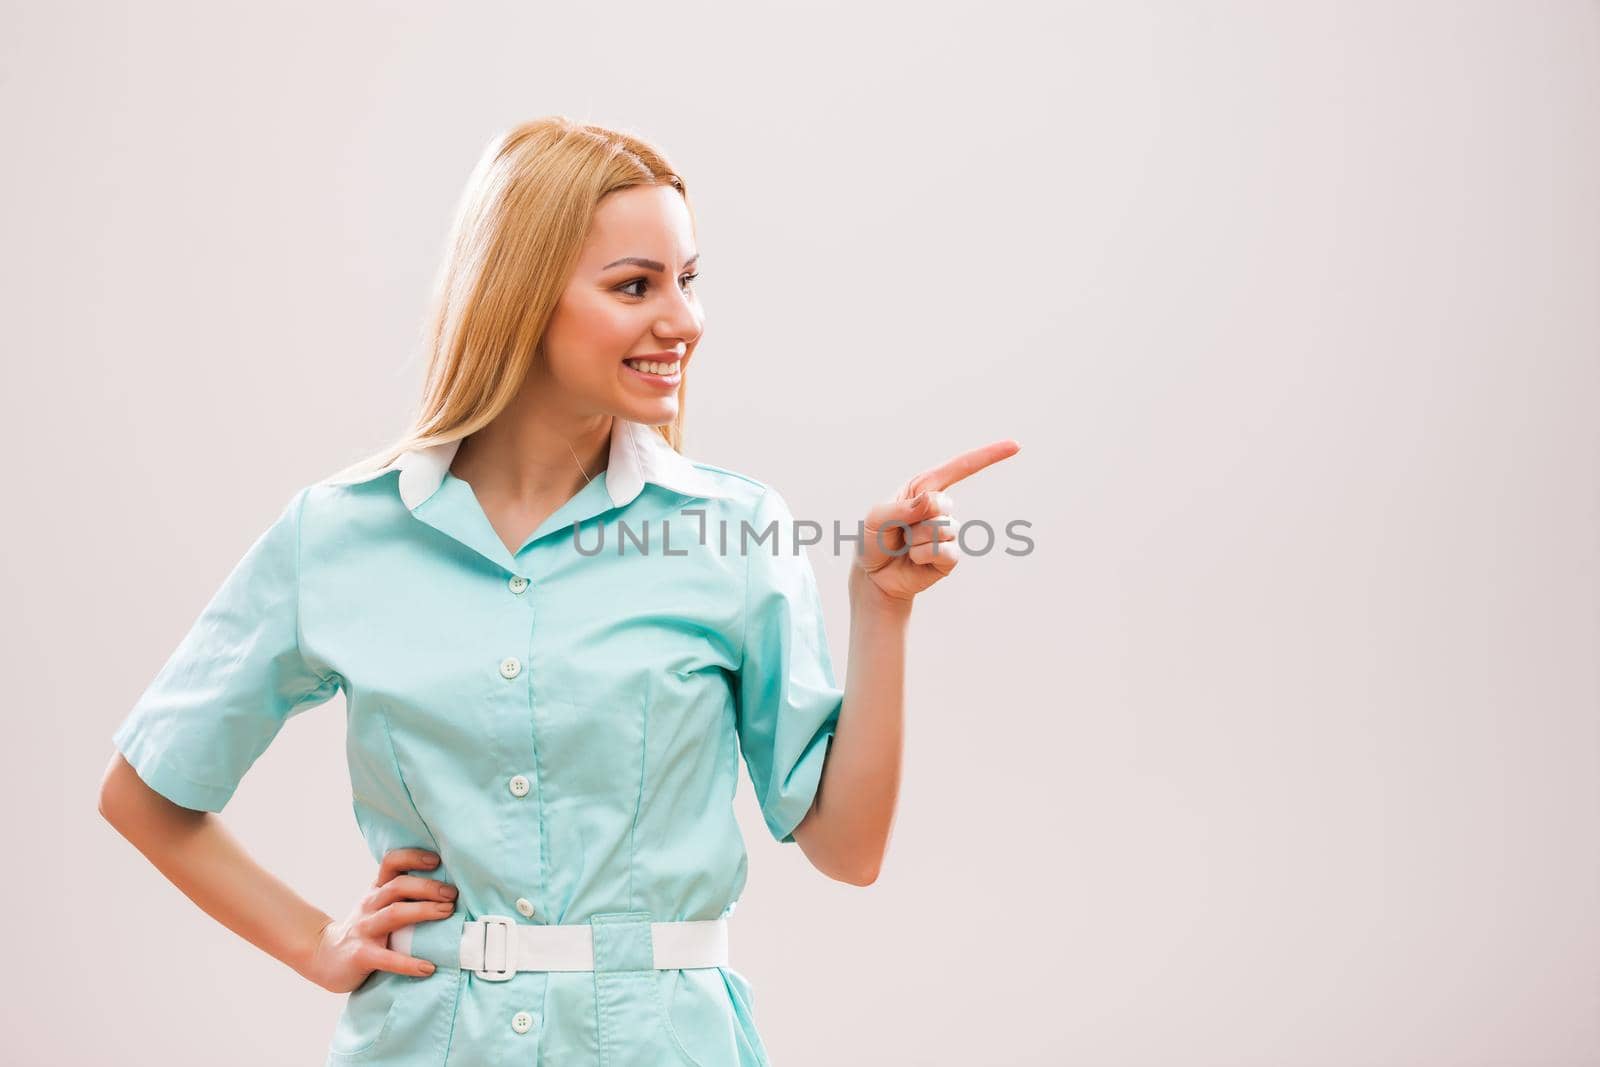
[299, 509]
[732, 474]
[744, 622]
[299, 504]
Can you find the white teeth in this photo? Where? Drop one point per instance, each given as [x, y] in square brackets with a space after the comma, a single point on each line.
[665, 369]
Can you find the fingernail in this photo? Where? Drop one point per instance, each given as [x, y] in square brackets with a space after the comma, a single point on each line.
[427, 968]
[449, 892]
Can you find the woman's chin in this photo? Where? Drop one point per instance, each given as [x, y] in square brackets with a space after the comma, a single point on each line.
[650, 411]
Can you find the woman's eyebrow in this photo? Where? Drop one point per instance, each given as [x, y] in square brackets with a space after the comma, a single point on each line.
[647, 264]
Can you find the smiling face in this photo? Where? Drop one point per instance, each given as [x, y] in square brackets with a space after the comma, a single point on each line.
[631, 298]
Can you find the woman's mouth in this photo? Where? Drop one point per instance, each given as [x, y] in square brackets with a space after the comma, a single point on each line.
[657, 372]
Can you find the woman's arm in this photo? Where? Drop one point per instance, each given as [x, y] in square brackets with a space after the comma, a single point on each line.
[908, 544]
[846, 832]
[198, 854]
[195, 851]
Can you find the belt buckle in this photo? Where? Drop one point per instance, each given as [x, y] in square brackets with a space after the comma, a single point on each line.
[489, 922]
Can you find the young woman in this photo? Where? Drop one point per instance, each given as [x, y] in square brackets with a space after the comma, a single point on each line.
[556, 635]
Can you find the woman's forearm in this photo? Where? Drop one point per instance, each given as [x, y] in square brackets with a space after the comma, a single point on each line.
[847, 831]
[198, 854]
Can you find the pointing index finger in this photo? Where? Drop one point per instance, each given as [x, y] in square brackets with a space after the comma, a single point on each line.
[953, 470]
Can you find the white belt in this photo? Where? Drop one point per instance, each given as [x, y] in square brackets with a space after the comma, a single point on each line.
[495, 947]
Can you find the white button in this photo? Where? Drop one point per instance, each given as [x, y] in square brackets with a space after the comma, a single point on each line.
[510, 667]
[518, 785]
[522, 1022]
[518, 584]
[525, 906]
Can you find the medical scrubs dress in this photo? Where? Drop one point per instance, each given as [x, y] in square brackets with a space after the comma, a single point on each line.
[562, 724]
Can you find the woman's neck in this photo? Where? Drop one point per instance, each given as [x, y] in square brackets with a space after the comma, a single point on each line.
[534, 457]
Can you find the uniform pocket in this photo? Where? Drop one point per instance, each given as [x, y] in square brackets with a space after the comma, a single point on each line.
[392, 1013]
[665, 979]
[368, 1012]
[700, 1019]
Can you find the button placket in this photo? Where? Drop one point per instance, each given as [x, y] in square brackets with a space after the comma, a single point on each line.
[519, 785]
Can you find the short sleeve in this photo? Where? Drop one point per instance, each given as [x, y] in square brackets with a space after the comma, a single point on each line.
[232, 682]
[787, 697]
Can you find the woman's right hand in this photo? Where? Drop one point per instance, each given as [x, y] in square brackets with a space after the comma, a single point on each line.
[350, 949]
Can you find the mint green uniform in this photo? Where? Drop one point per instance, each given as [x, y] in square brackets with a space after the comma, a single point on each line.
[564, 729]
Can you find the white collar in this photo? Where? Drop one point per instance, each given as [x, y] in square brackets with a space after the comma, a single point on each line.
[638, 454]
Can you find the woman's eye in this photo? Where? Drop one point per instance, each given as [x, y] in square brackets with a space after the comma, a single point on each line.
[645, 281]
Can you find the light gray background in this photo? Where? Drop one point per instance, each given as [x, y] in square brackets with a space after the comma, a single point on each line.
[1280, 749]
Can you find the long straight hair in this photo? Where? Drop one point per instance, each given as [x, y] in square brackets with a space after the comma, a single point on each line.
[518, 231]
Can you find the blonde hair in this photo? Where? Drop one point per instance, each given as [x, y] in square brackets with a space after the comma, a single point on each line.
[518, 231]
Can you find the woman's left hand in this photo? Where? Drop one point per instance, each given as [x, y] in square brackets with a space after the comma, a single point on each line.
[921, 514]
